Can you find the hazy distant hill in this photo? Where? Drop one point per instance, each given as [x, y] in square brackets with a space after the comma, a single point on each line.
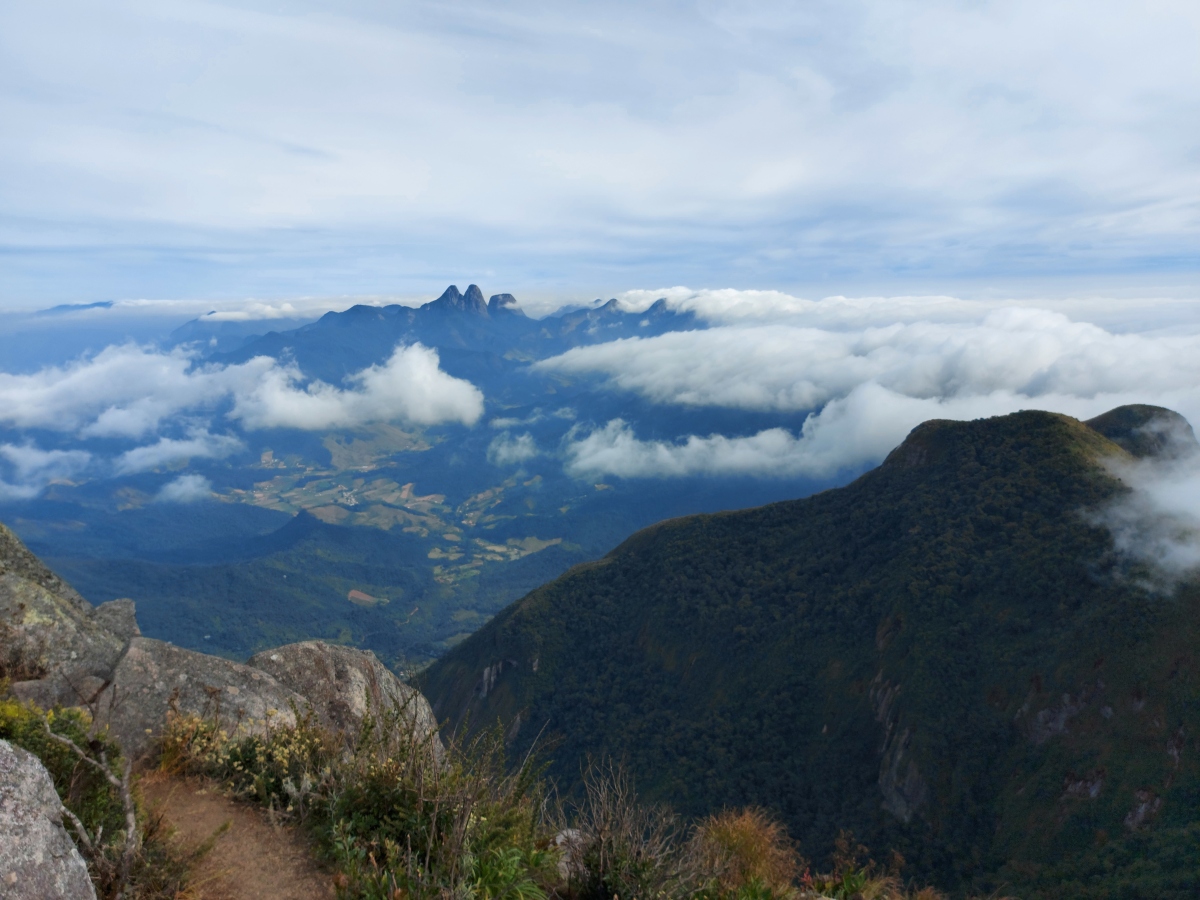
[944, 656]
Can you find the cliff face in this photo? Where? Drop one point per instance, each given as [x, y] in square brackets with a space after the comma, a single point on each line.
[947, 657]
[58, 650]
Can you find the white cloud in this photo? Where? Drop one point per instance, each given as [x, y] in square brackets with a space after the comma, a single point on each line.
[167, 451]
[409, 387]
[849, 434]
[731, 306]
[32, 469]
[129, 391]
[185, 489]
[615, 450]
[1029, 352]
[1158, 521]
[506, 450]
[123, 391]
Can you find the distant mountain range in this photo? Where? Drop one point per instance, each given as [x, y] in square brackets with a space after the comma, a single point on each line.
[446, 523]
[948, 656]
[477, 339]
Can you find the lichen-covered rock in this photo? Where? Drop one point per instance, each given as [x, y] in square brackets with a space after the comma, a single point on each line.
[53, 645]
[16, 559]
[154, 676]
[38, 860]
[118, 617]
[343, 684]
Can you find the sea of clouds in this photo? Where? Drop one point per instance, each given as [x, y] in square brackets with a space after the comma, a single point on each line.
[864, 370]
[869, 370]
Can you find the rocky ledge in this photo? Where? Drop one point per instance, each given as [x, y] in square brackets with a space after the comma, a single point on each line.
[57, 649]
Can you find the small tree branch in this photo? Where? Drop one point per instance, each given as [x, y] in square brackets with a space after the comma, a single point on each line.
[75, 748]
[122, 784]
[84, 840]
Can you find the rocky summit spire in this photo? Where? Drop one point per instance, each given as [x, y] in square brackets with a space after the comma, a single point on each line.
[505, 305]
[452, 301]
[473, 301]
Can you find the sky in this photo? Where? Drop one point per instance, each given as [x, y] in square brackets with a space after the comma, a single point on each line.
[884, 212]
[207, 151]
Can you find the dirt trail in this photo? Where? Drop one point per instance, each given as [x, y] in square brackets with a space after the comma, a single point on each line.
[252, 860]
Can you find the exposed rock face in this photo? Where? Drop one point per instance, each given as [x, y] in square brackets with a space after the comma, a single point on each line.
[904, 789]
[38, 860]
[59, 650]
[452, 301]
[16, 559]
[154, 675]
[344, 684]
[119, 617]
[56, 647]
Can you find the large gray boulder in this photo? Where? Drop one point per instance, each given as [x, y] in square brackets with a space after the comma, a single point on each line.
[343, 684]
[54, 646]
[38, 859]
[59, 650]
[154, 677]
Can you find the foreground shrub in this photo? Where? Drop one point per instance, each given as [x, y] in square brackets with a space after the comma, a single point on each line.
[618, 847]
[126, 852]
[746, 853]
[396, 818]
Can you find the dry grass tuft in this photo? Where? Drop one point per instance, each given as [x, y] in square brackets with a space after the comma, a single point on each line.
[742, 847]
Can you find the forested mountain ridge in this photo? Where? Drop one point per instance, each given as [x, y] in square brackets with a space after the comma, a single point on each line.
[946, 656]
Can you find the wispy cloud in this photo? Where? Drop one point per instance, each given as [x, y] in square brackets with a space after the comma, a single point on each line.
[30, 468]
[1157, 522]
[200, 444]
[848, 435]
[185, 489]
[864, 384]
[1028, 352]
[508, 450]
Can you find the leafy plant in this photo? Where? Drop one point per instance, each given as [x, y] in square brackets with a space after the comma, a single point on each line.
[127, 852]
[389, 811]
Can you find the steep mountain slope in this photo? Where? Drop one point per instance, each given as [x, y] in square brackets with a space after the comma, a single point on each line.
[946, 656]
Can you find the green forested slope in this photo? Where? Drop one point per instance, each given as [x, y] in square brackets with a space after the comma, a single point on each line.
[944, 656]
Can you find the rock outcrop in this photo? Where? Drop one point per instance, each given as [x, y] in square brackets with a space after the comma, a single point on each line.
[344, 684]
[38, 860]
[153, 677]
[57, 649]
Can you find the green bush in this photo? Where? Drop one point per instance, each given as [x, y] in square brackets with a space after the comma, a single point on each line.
[152, 870]
[84, 791]
[396, 818]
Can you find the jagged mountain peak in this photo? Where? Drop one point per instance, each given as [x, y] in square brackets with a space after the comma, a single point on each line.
[452, 300]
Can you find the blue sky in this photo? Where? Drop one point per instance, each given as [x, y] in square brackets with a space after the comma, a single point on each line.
[226, 150]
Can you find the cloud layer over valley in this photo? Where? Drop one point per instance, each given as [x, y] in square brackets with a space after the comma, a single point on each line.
[866, 384]
[130, 391]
